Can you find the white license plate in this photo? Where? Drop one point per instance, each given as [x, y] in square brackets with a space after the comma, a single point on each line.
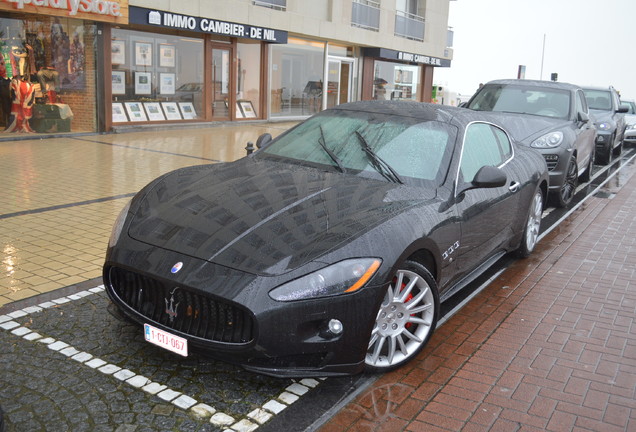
[166, 340]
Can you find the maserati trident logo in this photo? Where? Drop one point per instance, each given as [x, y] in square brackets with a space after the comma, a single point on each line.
[171, 307]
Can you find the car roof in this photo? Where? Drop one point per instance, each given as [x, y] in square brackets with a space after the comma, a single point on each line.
[420, 110]
[536, 83]
[608, 88]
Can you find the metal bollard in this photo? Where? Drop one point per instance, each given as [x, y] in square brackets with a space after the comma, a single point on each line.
[249, 148]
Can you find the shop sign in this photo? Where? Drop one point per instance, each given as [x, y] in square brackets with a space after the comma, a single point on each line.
[406, 57]
[98, 10]
[205, 25]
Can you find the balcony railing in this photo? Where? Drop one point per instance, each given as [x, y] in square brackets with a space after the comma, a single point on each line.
[449, 37]
[274, 4]
[365, 14]
[409, 26]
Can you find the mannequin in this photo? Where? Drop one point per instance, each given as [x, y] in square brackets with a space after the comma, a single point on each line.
[5, 92]
[49, 80]
[22, 94]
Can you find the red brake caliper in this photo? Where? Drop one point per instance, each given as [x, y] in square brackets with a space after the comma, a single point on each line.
[408, 299]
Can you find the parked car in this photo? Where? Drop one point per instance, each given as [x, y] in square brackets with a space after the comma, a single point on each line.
[550, 117]
[630, 121]
[609, 121]
[329, 249]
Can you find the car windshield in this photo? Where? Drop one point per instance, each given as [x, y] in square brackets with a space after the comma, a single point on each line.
[398, 149]
[599, 99]
[544, 102]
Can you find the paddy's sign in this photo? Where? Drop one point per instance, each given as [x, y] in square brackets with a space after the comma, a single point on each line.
[115, 11]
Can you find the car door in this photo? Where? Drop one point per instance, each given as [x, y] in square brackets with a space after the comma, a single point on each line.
[584, 131]
[486, 214]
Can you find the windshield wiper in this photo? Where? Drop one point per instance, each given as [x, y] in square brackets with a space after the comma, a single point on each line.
[331, 154]
[378, 163]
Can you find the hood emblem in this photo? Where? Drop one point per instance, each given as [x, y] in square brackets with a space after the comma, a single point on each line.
[171, 308]
[175, 268]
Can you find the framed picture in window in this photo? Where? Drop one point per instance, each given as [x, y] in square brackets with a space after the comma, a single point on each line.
[119, 115]
[119, 82]
[153, 109]
[118, 51]
[247, 108]
[171, 110]
[143, 54]
[135, 111]
[167, 55]
[166, 83]
[143, 83]
[187, 110]
[239, 113]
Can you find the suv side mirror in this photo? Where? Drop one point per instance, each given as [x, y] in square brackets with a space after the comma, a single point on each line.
[263, 140]
[582, 117]
[622, 109]
[487, 177]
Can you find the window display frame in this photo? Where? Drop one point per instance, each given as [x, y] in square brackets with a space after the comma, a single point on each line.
[141, 87]
[135, 111]
[167, 55]
[167, 83]
[171, 110]
[119, 114]
[118, 52]
[143, 54]
[118, 87]
[154, 111]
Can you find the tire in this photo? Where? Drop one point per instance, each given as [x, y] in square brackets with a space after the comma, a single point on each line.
[406, 319]
[564, 196]
[587, 175]
[533, 225]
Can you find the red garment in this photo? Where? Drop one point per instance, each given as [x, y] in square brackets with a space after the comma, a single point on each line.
[22, 106]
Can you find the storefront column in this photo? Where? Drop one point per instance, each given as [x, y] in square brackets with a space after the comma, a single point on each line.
[427, 83]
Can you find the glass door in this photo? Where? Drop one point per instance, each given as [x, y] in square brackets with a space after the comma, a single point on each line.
[221, 83]
[339, 78]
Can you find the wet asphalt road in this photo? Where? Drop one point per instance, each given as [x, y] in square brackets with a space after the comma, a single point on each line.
[68, 363]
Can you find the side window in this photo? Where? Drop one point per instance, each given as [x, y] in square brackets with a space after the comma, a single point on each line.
[484, 145]
[581, 102]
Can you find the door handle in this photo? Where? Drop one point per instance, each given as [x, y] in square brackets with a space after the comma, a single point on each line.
[514, 187]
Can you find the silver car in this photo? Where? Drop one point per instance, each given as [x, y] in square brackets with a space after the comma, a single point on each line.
[630, 121]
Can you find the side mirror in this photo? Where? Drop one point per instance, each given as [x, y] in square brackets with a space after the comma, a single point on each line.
[487, 177]
[582, 117]
[622, 109]
[263, 140]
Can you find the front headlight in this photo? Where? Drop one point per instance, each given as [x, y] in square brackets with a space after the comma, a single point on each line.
[119, 225]
[343, 277]
[631, 126]
[604, 126]
[551, 140]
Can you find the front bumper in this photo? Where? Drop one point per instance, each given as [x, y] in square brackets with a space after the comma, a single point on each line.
[630, 136]
[603, 143]
[283, 339]
[557, 162]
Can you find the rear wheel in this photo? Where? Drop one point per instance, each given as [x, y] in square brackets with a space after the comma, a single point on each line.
[618, 149]
[587, 175]
[533, 225]
[406, 318]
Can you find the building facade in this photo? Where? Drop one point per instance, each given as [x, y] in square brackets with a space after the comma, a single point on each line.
[99, 65]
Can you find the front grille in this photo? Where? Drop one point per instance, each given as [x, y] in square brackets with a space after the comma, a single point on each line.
[182, 309]
[551, 160]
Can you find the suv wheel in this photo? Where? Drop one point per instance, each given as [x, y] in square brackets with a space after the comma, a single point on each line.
[565, 195]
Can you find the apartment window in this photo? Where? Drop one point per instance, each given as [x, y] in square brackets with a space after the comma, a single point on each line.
[408, 23]
[365, 14]
[273, 4]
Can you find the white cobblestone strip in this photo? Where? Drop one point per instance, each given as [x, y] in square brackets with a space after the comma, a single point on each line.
[253, 421]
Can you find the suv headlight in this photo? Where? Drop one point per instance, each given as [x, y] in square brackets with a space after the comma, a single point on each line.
[551, 140]
[343, 277]
[604, 126]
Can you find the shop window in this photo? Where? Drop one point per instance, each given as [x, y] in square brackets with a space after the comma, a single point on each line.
[296, 78]
[249, 80]
[47, 75]
[156, 77]
[396, 81]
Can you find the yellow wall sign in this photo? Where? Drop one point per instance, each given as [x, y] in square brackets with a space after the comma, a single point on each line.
[114, 11]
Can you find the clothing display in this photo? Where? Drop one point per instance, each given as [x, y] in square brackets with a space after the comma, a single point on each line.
[49, 79]
[22, 98]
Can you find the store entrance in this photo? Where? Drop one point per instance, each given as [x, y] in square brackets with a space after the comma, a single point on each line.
[221, 82]
[339, 79]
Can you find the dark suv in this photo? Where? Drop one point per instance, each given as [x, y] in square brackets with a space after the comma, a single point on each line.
[609, 119]
[550, 117]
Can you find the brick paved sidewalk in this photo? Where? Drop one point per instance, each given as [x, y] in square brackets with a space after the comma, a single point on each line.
[549, 345]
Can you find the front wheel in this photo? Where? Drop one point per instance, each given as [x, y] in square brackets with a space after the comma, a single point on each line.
[406, 319]
[533, 225]
[587, 175]
[565, 195]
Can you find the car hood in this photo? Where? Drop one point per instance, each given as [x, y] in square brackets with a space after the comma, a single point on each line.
[264, 217]
[600, 116]
[525, 128]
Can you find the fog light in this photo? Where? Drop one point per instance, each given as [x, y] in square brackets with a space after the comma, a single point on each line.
[335, 327]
